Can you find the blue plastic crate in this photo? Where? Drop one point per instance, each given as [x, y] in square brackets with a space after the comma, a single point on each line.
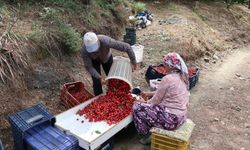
[46, 137]
[27, 119]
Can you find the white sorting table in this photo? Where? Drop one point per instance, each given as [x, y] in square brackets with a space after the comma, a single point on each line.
[86, 132]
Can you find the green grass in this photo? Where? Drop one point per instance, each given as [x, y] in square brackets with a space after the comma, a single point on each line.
[201, 16]
[108, 4]
[2, 4]
[139, 6]
[172, 7]
[70, 38]
[68, 5]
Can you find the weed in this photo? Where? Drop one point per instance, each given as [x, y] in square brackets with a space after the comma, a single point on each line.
[49, 13]
[12, 57]
[172, 7]
[139, 7]
[89, 18]
[104, 4]
[2, 4]
[201, 16]
[46, 43]
[70, 38]
[69, 5]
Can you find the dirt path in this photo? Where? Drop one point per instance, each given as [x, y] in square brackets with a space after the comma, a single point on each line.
[219, 105]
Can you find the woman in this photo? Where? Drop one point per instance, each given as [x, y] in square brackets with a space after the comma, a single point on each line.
[167, 109]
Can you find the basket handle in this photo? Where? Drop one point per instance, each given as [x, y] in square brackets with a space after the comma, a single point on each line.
[34, 119]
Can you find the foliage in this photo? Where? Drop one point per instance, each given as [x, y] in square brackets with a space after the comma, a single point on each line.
[12, 56]
[231, 2]
[108, 4]
[56, 39]
[70, 38]
[69, 5]
[139, 6]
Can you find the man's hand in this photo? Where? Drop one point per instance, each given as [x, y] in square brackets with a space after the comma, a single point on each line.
[133, 67]
[103, 81]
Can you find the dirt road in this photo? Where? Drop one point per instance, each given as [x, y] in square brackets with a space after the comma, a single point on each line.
[219, 105]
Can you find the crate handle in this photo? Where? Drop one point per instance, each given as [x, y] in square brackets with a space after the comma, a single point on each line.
[35, 119]
[71, 86]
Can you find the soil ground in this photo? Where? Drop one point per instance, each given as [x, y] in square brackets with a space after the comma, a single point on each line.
[219, 104]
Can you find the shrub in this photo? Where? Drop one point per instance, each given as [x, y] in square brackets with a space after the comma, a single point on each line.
[70, 38]
[139, 7]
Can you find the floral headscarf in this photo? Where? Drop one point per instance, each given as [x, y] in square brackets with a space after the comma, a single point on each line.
[175, 61]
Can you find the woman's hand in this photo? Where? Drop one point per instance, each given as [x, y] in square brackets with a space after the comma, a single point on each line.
[144, 95]
[141, 100]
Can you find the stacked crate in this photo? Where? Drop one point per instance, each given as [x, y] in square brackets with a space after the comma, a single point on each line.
[32, 129]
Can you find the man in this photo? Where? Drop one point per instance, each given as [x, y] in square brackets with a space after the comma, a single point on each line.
[96, 52]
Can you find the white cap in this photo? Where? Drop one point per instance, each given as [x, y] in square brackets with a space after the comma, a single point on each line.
[91, 42]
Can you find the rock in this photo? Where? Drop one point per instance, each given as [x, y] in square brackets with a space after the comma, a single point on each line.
[215, 57]
[241, 78]
[206, 59]
[238, 75]
[207, 53]
[235, 46]
[237, 108]
[214, 61]
[215, 120]
[247, 125]
[232, 88]
[222, 122]
[1, 24]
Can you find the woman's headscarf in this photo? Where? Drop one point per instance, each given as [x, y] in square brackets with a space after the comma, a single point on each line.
[175, 62]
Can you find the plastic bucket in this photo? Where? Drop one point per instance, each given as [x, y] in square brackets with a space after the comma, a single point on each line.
[138, 50]
[121, 69]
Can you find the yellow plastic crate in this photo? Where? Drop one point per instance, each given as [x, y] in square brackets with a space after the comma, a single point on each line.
[163, 142]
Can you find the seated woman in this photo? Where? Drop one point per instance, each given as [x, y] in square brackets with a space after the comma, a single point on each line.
[167, 109]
